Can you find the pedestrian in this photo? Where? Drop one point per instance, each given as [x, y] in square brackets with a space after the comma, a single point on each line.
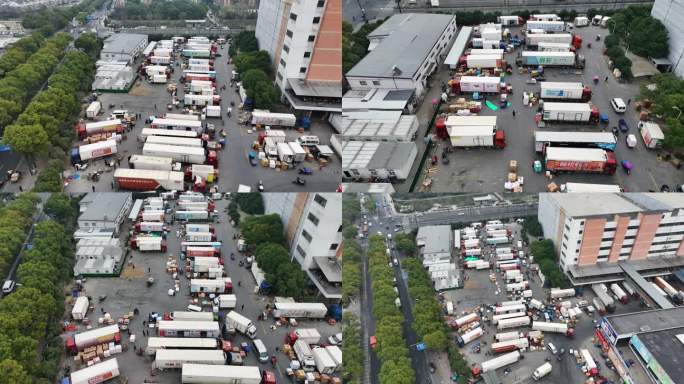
[629, 101]
[606, 79]
[112, 185]
[148, 269]
[102, 309]
[514, 113]
[93, 188]
[242, 308]
[240, 283]
[155, 107]
[21, 189]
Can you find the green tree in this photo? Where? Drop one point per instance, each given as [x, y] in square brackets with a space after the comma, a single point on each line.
[532, 227]
[251, 203]
[61, 208]
[266, 95]
[253, 60]
[263, 229]
[27, 139]
[251, 78]
[50, 178]
[405, 244]
[13, 373]
[89, 43]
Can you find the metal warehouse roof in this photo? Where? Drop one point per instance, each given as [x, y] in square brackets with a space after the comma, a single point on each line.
[375, 155]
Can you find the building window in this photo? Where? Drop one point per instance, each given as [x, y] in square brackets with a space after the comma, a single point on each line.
[376, 82]
[316, 20]
[320, 200]
[311, 38]
[286, 48]
[363, 82]
[302, 70]
[293, 16]
[288, 33]
[282, 62]
[313, 219]
[307, 54]
[301, 251]
[334, 246]
[306, 235]
[321, 3]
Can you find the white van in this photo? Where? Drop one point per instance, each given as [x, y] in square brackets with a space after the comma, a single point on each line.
[260, 350]
[552, 348]
[618, 105]
[308, 140]
[194, 308]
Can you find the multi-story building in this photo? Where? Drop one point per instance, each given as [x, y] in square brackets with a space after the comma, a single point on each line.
[671, 14]
[313, 228]
[304, 40]
[404, 51]
[104, 210]
[592, 232]
[123, 47]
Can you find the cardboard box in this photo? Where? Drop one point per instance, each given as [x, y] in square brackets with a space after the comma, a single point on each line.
[552, 187]
[513, 166]
[512, 176]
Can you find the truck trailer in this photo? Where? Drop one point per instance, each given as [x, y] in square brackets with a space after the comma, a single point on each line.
[469, 336]
[510, 345]
[553, 327]
[93, 151]
[304, 355]
[570, 112]
[188, 155]
[80, 309]
[261, 117]
[97, 373]
[180, 124]
[80, 341]
[221, 374]
[148, 180]
[177, 358]
[619, 293]
[482, 61]
[565, 91]
[651, 134]
[153, 163]
[226, 301]
[513, 322]
[241, 324]
[148, 243]
[533, 39]
[550, 59]
[324, 363]
[546, 26]
[302, 310]
[580, 160]
[309, 335]
[483, 84]
[93, 110]
[84, 130]
[336, 354]
[500, 362]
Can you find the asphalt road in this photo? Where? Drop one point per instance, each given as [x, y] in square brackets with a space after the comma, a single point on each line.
[151, 99]
[126, 293]
[480, 170]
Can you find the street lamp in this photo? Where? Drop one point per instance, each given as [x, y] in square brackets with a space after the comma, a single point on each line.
[680, 111]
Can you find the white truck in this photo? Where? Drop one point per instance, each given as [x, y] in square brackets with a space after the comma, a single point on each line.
[212, 111]
[553, 47]
[241, 324]
[182, 124]
[201, 264]
[220, 374]
[148, 180]
[513, 323]
[222, 285]
[501, 361]
[190, 155]
[305, 355]
[153, 163]
[93, 151]
[96, 373]
[178, 141]
[226, 301]
[533, 39]
[301, 310]
[325, 364]
[547, 26]
[93, 110]
[553, 327]
[570, 112]
[483, 61]
[651, 134]
[309, 335]
[201, 100]
[542, 371]
[176, 358]
[285, 153]
[483, 84]
[261, 117]
[557, 293]
[565, 91]
[200, 85]
[80, 308]
[160, 60]
[199, 236]
[298, 152]
[336, 354]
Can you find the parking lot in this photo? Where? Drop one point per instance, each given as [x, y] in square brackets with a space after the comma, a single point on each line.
[130, 291]
[479, 290]
[487, 169]
[149, 99]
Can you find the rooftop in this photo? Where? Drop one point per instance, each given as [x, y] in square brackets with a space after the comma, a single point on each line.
[593, 204]
[434, 238]
[368, 187]
[629, 324]
[410, 38]
[104, 206]
[401, 127]
[376, 99]
[459, 46]
[330, 268]
[658, 201]
[376, 155]
[666, 349]
[122, 42]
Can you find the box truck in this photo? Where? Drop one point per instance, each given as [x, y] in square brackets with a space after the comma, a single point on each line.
[510, 345]
[298, 152]
[324, 363]
[499, 362]
[580, 160]
[553, 327]
[222, 285]
[93, 110]
[543, 369]
[226, 301]
[304, 355]
[188, 155]
[176, 358]
[149, 226]
[570, 112]
[651, 134]
[148, 180]
[201, 100]
[102, 335]
[601, 292]
[336, 354]
[550, 59]
[212, 111]
[483, 84]
[565, 91]
[188, 328]
[105, 126]
[153, 163]
[261, 117]
[513, 322]
[80, 309]
[619, 293]
[469, 336]
[148, 243]
[309, 335]
[221, 374]
[302, 310]
[482, 61]
[547, 26]
[241, 324]
[93, 151]
[97, 373]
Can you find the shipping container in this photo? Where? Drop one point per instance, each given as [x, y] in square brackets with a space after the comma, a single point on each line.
[148, 180]
[226, 301]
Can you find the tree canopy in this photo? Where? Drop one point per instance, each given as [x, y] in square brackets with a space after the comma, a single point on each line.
[667, 97]
[251, 203]
[160, 10]
[244, 41]
[263, 229]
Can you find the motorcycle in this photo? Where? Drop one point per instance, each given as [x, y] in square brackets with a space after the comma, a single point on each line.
[627, 166]
[260, 187]
[232, 256]
[305, 171]
[299, 181]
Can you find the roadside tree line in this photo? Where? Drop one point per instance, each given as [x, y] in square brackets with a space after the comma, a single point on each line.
[30, 327]
[265, 235]
[19, 52]
[352, 371]
[668, 101]
[255, 70]
[49, 20]
[21, 84]
[427, 318]
[391, 347]
[160, 10]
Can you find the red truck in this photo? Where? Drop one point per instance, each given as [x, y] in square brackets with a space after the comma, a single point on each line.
[580, 160]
